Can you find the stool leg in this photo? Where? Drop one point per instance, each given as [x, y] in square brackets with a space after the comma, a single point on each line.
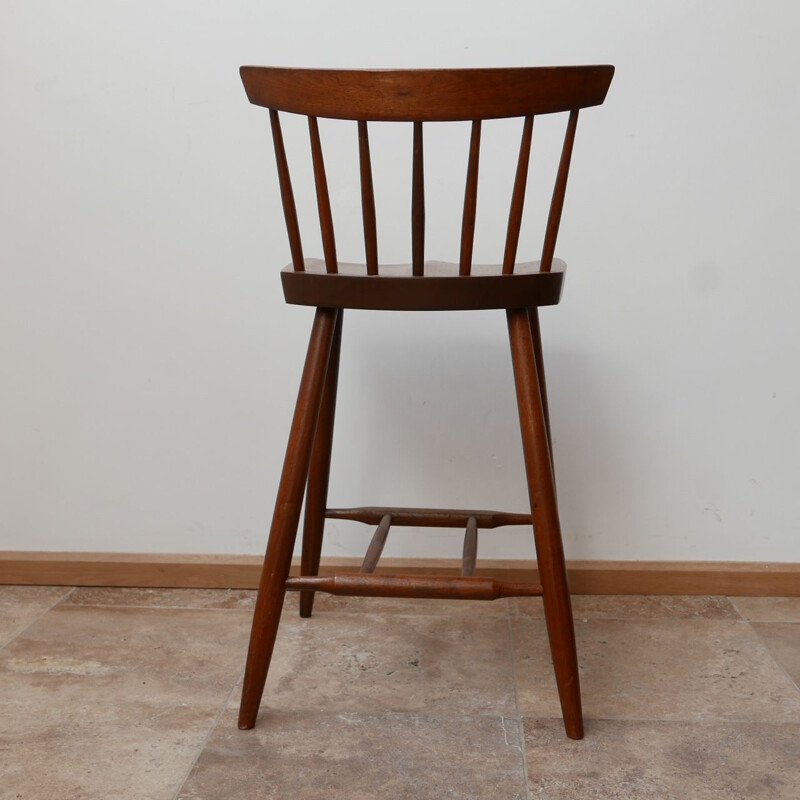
[547, 532]
[319, 472]
[533, 316]
[278, 558]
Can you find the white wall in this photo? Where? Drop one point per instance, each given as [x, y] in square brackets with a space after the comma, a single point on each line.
[149, 365]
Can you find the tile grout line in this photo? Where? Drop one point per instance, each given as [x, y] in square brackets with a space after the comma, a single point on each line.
[742, 617]
[19, 633]
[765, 645]
[207, 738]
[248, 609]
[522, 747]
[154, 607]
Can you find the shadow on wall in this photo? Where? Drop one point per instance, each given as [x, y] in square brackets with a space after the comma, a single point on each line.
[427, 421]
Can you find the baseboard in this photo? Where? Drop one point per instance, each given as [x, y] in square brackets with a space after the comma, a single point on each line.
[242, 572]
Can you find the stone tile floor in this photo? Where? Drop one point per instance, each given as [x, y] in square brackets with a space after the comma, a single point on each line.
[132, 693]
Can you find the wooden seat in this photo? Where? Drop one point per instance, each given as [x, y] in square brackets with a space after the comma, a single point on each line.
[418, 97]
[441, 287]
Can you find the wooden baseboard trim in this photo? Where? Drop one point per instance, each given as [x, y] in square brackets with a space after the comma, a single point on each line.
[242, 572]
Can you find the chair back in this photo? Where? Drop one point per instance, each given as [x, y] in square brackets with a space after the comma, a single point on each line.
[421, 96]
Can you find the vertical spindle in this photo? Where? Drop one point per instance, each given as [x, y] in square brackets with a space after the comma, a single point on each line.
[323, 200]
[470, 200]
[418, 205]
[367, 200]
[518, 198]
[287, 196]
[557, 203]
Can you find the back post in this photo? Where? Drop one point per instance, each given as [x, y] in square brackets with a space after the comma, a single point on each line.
[287, 196]
[418, 204]
[560, 190]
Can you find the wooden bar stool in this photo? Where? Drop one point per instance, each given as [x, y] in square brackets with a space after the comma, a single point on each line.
[418, 97]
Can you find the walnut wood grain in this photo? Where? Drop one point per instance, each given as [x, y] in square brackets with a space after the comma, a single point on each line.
[287, 196]
[323, 198]
[367, 200]
[536, 336]
[428, 517]
[427, 95]
[442, 588]
[441, 288]
[559, 192]
[418, 204]
[319, 470]
[546, 525]
[518, 198]
[283, 531]
[418, 97]
[470, 200]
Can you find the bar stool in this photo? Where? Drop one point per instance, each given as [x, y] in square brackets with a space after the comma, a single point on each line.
[417, 97]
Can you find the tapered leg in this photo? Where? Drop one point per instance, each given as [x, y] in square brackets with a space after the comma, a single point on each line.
[319, 472]
[283, 532]
[533, 316]
[547, 531]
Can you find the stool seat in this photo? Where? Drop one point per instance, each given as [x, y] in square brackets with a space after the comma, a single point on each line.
[440, 288]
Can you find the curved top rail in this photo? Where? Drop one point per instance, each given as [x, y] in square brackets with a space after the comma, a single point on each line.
[424, 95]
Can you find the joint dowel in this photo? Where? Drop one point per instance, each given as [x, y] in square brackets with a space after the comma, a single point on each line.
[376, 545]
[470, 554]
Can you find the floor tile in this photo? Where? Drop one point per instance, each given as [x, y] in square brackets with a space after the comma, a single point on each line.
[148, 653]
[113, 702]
[361, 757]
[68, 747]
[21, 605]
[163, 598]
[659, 669]
[783, 641]
[400, 663]
[634, 607]
[246, 598]
[769, 609]
[112, 693]
[650, 760]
